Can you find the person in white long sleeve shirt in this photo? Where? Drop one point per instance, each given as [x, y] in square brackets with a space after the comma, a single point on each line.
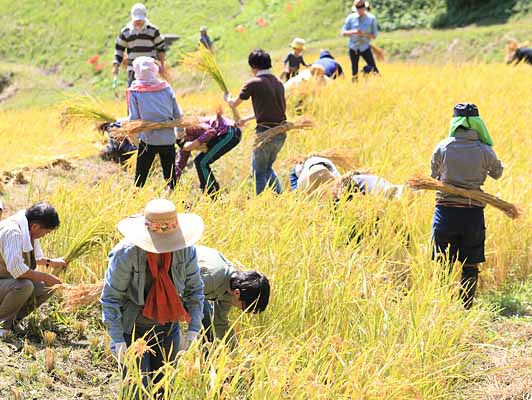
[22, 287]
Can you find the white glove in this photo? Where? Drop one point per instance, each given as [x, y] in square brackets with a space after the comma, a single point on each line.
[187, 339]
[119, 350]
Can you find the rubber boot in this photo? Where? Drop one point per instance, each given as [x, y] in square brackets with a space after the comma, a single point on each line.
[468, 284]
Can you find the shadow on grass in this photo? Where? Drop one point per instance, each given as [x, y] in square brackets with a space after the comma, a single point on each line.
[479, 12]
[514, 301]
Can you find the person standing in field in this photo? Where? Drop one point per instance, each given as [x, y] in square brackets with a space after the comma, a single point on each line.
[22, 288]
[361, 28]
[205, 40]
[465, 159]
[294, 59]
[225, 288]
[152, 99]
[218, 135]
[152, 283]
[268, 97]
[138, 38]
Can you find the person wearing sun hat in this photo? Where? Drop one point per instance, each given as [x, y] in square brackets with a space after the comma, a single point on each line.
[464, 160]
[313, 172]
[294, 59]
[149, 272]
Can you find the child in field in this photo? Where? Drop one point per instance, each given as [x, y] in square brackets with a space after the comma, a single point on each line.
[227, 287]
[269, 106]
[219, 135]
[294, 59]
[152, 99]
[465, 159]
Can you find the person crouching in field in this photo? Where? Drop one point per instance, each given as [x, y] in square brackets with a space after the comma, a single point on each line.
[361, 28]
[331, 67]
[22, 288]
[149, 272]
[516, 54]
[219, 135]
[294, 60]
[464, 160]
[152, 99]
[269, 105]
[227, 287]
[312, 173]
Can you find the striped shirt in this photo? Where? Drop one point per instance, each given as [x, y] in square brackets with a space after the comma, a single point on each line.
[146, 42]
[11, 248]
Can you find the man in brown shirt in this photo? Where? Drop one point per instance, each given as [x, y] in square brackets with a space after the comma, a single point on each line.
[267, 96]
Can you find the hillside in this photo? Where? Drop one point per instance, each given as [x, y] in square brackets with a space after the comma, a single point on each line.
[60, 37]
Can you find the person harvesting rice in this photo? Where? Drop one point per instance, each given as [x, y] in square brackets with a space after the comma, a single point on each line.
[225, 288]
[149, 272]
[152, 99]
[219, 135]
[138, 38]
[464, 160]
[22, 288]
[269, 105]
[361, 28]
[293, 61]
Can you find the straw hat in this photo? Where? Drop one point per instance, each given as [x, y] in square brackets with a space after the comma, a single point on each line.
[354, 7]
[314, 177]
[161, 229]
[298, 43]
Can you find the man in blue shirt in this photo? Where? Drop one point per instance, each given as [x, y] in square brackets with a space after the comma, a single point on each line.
[361, 27]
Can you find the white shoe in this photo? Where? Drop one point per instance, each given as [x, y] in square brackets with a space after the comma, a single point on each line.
[4, 332]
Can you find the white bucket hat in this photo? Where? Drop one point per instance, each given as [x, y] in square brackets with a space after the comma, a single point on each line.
[161, 229]
[314, 177]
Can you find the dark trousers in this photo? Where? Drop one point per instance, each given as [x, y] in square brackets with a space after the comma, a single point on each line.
[130, 77]
[146, 155]
[367, 55]
[164, 343]
[207, 321]
[216, 149]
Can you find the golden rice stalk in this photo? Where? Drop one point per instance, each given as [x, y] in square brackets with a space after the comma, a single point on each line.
[343, 158]
[83, 109]
[81, 295]
[380, 54]
[426, 183]
[131, 129]
[49, 359]
[266, 136]
[204, 60]
[49, 338]
[83, 243]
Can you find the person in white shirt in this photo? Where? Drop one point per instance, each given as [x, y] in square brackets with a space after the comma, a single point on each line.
[22, 287]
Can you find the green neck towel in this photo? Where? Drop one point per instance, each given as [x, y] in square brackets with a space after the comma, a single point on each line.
[474, 123]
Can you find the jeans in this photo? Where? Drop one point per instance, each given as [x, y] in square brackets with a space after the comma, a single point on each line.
[367, 55]
[145, 157]
[216, 149]
[262, 163]
[163, 341]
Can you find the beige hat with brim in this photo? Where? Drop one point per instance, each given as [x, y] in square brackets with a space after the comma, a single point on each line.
[161, 229]
[298, 43]
[317, 175]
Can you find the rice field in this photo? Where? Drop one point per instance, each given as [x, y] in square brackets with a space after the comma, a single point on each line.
[370, 320]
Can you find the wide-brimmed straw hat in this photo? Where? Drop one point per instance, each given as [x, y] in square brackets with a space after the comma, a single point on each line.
[314, 177]
[298, 43]
[354, 7]
[161, 229]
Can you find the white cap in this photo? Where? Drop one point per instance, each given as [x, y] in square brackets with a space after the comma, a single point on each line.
[138, 12]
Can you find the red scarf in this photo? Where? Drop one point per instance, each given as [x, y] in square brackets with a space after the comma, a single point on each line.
[163, 303]
[139, 87]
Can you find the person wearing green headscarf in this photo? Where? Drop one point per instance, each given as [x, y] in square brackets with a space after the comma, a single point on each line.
[465, 160]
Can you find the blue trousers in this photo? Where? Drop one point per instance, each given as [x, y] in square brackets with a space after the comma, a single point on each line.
[262, 163]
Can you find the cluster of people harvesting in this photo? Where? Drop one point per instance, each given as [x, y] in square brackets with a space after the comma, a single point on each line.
[157, 277]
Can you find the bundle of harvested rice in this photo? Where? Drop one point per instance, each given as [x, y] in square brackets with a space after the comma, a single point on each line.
[426, 183]
[266, 136]
[203, 60]
[81, 295]
[85, 109]
[380, 54]
[131, 129]
[83, 243]
[342, 158]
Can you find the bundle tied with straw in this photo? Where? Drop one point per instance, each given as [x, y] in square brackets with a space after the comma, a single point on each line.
[84, 109]
[131, 129]
[203, 60]
[380, 54]
[426, 183]
[267, 135]
[81, 295]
